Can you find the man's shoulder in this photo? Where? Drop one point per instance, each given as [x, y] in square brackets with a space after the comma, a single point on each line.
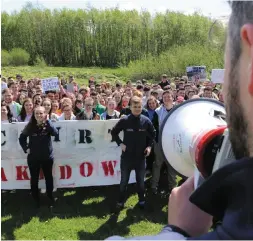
[145, 118]
[158, 108]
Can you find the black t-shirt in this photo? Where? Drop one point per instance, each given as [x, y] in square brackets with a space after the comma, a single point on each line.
[109, 117]
[163, 84]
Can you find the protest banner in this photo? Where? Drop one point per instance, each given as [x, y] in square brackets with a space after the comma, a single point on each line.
[217, 76]
[51, 83]
[196, 73]
[83, 151]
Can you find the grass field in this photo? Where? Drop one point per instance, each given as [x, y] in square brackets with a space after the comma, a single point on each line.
[81, 74]
[81, 213]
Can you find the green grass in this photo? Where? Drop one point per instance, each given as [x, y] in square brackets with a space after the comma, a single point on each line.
[81, 74]
[81, 213]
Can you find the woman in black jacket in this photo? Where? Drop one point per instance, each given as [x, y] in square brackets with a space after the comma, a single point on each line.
[39, 150]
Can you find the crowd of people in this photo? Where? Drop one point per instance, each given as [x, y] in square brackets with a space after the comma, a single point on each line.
[104, 101]
[97, 101]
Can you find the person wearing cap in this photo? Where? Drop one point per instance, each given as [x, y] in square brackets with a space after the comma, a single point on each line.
[164, 81]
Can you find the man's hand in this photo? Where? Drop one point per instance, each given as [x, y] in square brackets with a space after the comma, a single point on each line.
[184, 214]
[147, 151]
[28, 151]
[123, 147]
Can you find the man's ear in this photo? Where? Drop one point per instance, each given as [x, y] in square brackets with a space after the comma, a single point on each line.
[247, 38]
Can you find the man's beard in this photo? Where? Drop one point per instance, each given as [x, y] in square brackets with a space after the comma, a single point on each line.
[237, 123]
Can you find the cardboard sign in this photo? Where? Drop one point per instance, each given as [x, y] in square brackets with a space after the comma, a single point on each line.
[50, 84]
[218, 76]
[3, 86]
[196, 73]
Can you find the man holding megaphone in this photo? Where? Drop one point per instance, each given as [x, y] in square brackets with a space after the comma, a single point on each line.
[227, 191]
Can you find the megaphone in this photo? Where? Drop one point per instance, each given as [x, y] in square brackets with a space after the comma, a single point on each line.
[194, 139]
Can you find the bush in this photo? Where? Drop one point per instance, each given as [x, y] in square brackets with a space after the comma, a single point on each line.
[174, 62]
[40, 62]
[19, 57]
[5, 58]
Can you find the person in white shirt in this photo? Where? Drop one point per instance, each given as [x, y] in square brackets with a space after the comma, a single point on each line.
[15, 108]
[67, 113]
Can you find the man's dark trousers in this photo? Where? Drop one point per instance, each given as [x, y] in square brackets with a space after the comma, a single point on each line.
[126, 166]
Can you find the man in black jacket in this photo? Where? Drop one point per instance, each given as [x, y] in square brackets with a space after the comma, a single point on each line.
[228, 193]
[139, 135]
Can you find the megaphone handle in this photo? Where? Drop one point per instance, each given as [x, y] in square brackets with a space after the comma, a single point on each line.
[198, 179]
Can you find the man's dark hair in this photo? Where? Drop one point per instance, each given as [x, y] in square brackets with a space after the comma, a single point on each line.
[139, 87]
[208, 89]
[50, 91]
[180, 89]
[94, 94]
[167, 92]
[241, 14]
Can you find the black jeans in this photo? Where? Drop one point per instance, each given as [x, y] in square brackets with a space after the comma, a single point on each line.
[126, 166]
[34, 167]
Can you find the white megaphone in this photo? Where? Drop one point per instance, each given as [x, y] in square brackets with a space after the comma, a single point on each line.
[194, 138]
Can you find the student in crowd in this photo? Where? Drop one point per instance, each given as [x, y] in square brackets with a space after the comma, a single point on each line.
[100, 109]
[159, 116]
[37, 100]
[110, 112]
[78, 107]
[26, 111]
[55, 108]
[127, 110]
[152, 105]
[123, 103]
[6, 115]
[14, 90]
[88, 113]
[139, 134]
[47, 104]
[21, 98]
[67, 113]
[117, 97]
[40, 151]
[14, 106]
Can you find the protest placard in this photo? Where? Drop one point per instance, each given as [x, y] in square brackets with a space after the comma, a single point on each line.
[51, 83]
[218, 76]
[3, 86]
[196, 73]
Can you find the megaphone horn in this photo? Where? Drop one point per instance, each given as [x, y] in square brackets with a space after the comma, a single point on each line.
[190, 136]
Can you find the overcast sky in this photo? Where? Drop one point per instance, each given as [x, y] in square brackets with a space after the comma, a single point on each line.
[214, 8]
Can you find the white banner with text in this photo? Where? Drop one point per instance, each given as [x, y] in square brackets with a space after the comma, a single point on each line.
[83, 156]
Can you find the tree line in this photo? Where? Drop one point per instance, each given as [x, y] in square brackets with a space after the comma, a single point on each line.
[105, 38]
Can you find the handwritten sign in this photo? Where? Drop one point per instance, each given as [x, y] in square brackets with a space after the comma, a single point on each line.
[196, 73]
[50, 84]
[3, 86]
[218, 76]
